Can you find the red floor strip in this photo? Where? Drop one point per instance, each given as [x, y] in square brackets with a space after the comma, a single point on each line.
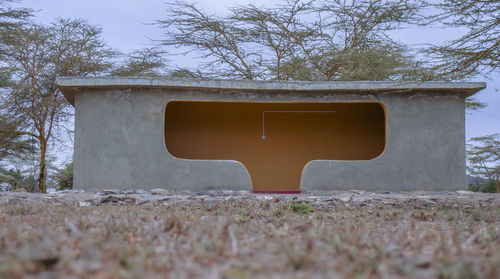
[275, 192]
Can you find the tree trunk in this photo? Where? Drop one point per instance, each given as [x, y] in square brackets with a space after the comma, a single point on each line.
[43, 169]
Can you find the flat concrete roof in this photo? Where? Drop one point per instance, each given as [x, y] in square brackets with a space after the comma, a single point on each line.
[69, 85]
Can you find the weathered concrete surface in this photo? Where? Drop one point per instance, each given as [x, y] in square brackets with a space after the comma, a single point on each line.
[318, 199]
[467, 88]
[119, 137]
[425, 150]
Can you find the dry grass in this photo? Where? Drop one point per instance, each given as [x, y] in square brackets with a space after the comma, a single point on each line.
[247, 239]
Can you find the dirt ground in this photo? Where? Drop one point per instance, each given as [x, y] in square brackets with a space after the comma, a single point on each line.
[163, 234]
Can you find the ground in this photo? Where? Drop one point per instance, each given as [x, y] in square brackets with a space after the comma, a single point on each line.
[162, 234]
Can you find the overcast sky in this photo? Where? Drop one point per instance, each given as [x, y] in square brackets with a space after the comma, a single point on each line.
[124, 24]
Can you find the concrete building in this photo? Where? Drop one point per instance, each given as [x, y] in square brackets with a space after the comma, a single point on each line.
[268, 135]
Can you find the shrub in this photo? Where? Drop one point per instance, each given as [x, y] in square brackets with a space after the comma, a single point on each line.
[64, 177]
[301, 208]
[488, 186]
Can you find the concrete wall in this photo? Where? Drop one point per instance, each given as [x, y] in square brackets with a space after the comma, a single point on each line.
[119, 143]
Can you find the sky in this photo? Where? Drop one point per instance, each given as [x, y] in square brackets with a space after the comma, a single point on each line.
[127, 26]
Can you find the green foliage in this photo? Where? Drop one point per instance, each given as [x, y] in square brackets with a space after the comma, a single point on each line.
[11, 141]
[483, 157]
[64, 177]
[301, 208]
[145, 62]
[486, 186]
[475, 52]
[472, 105]
[10, 18]
[12, 145]
[36, 54]
[298, 40]
[9, 178]
[185, 73]
[17, 179]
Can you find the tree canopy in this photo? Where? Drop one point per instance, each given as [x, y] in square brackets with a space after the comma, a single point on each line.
[475, 52]
[10, 18]
[143, 62]
[483, 156]
[36, 54]
[298, 40]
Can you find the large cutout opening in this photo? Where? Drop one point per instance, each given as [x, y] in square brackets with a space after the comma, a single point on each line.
[274, 141]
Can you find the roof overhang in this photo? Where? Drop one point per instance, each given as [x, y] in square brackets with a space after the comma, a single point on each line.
[70, 85]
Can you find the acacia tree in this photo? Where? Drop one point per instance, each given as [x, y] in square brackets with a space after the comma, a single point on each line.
[272, 31]
[350, 41]
[12, 145]
[10, 18]
[11, 141]
[483, 155]
[214, 37]
[149, 62]
[37, 54]
[9, 14]
[298, 40]
[475, 52]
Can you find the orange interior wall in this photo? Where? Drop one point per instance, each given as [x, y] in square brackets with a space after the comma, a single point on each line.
[233, 131]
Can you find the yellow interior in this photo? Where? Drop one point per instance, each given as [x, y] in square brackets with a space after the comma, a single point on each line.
[295, 133]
